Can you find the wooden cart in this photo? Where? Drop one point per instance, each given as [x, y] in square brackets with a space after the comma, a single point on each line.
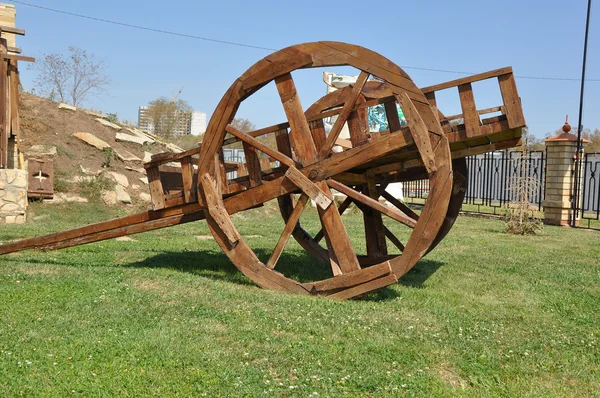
[303, 166]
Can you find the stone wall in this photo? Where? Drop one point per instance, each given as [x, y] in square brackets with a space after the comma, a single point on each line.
[13, 196]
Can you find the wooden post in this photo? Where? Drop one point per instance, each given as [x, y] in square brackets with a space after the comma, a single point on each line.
[4, 123]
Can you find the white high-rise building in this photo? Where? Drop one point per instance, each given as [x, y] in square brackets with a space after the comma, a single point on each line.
[186, 122]
[198, 125]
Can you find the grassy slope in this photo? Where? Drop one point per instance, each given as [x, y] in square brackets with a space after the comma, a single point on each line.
[485, 314]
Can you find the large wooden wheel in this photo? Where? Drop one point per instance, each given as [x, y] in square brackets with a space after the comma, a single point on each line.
[310, 168]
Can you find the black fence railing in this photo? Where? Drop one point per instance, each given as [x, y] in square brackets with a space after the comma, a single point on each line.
[491, 181]
[590, 192]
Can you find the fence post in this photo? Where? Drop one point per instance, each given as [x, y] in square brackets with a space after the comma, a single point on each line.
[560, 172]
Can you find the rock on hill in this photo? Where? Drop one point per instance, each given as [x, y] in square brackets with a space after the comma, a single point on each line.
[80, 169]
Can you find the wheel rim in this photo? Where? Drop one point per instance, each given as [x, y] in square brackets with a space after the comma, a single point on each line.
[433, 149]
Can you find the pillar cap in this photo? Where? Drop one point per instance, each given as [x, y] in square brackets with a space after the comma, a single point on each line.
[566, 136]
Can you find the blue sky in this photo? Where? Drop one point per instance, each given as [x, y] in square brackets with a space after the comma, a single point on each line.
[536, 38]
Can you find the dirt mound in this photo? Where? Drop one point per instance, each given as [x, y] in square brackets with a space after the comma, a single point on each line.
[42, 122]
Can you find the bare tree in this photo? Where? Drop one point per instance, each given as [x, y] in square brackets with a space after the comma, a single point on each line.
[168, 116]
[72, 77]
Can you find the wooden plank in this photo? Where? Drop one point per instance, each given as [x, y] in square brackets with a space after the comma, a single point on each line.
[187, 174]
[311, 117]
[15, 126]
[350, 279]
[358, 125]
[390, 235]
[317, 129]
[276, 69]
[4, 123]
[378, 226]
[341, 253]
[260, 132]
[220, 173]
[166, 157]
[145, 226]
[308, 187]
[433, 214]
[350, 178]
[346, 144]
[318, 171]
[512, 101]
[290, 225]
[341, 209]
[371, 241]
[282, 138]
[15, 57]
[15, 50]
[13, 30]
[217, 210]
[41, 241]
[300, 134]
[156, 189]
[431, 98]
[344, 114]
[391, 113]
[260, 146]
[365, 288]
[394, 214]
[470, 115]
[252, 165]
[419, 131]
[400, 206]
[265, 165]
[479, 112]
[468, 79]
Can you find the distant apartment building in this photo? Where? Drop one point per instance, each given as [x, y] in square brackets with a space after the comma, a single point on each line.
[185, 122]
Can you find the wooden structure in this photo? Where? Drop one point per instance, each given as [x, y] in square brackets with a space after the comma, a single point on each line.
[41, 178]
[9, 98]
[303, 165]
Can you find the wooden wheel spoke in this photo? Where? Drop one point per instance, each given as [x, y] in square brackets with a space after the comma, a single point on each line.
[344, 114]
[372, 203]
[341, 209]
[399, 205]
[341, 254]
[301, 138]
[374, 228]
[249, 140]
[419, 131]
[390, 235]
[287, 231]
[308, 187]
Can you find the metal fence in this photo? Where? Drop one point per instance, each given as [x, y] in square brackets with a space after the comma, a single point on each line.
[491, 176]
[490, 181]
[590, 192]
[233, 155]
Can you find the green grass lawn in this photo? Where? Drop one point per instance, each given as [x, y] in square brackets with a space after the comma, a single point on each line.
[485, 314]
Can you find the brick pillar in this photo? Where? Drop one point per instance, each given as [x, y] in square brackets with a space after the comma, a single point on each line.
[560, 174]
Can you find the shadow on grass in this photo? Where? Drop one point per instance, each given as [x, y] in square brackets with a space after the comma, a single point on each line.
[419, 274]
[216, 265]
[295, 265]
[300, 267]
